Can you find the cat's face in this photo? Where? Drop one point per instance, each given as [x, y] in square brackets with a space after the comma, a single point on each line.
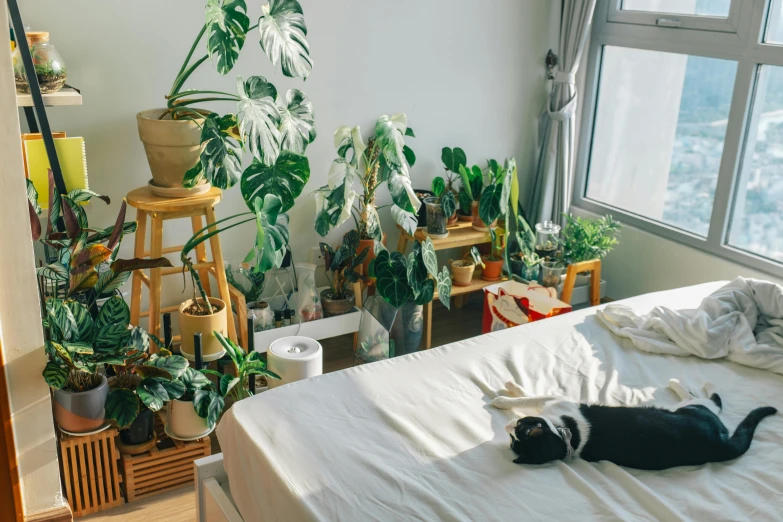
[534, 442]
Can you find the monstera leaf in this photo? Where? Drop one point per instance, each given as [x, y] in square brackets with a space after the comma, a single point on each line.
[283, 37]
[373, 224]
[392, 278]
[271, 232]
[489, 206]
[453, 159]
[402, 192]
[444, 287]
[221, 158]
[122, 406]
[407, 220]
[390, 136]
[347, 138]
[297, 123]
[259, 118]
[285, 179]
[227, 25]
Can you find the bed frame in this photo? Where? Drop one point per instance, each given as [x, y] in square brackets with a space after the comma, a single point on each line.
[213, 498]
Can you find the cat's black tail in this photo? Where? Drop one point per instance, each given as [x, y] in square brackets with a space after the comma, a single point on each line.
[739, 443]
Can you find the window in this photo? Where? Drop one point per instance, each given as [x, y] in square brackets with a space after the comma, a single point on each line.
[682, 124]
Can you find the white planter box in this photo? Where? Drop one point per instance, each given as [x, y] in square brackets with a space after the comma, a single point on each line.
[581, 294]
[319, 329]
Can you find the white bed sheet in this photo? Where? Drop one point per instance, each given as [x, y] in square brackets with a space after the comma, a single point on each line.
[415, 438]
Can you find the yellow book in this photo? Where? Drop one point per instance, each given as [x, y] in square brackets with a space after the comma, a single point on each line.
[73, 162]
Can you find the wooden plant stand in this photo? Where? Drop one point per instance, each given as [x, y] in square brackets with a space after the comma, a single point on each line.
[461, 235]
[167, 466]
[90, 470]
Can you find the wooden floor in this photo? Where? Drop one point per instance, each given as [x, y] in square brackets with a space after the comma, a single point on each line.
[180, 506]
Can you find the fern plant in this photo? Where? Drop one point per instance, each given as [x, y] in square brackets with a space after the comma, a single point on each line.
[584, 239]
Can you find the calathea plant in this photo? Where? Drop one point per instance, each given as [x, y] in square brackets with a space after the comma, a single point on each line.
[413, 278]
[385, 158]
[275, 127]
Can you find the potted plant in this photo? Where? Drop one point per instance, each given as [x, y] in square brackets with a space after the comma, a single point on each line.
[342, 263]
[487, 187]
[186, 143]
[499, 193]
[385, 158]
[408, 283]
[453, 160]
[525, 262]
[584, 239]
[195, 413]
[142, 386]
[463, 269]
[440, 208]
[81, 338]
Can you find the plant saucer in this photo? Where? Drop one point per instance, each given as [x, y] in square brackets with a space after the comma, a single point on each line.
[93, 432]
[179, 192]
[188, 439]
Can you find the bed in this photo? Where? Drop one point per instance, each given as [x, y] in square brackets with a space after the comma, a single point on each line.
[414, 438]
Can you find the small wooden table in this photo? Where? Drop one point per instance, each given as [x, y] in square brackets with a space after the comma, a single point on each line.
[461, 235]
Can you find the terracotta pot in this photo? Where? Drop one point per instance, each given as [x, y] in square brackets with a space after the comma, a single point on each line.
[206, 324]
[463, 272]
[335, 307]
[183, 422]
[172, 146]
[452, 219]
[81, 412]
[478, 224]
[492, 269]
[464, 217]
[364, 243]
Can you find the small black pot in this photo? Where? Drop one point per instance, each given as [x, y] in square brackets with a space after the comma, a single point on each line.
[422, 214]
[140, 430]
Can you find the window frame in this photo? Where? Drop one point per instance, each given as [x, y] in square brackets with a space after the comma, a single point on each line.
[746, 48]
[728, 24]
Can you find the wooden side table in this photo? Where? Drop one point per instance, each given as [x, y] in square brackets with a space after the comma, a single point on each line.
[461, 235]
[158, 210]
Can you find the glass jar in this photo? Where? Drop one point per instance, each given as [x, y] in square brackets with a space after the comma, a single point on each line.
[263, 317]
[551, 273]
[49, 66]
[436, 219]
[547, 240]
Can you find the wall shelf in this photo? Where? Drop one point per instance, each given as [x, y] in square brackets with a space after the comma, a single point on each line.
[65, 96]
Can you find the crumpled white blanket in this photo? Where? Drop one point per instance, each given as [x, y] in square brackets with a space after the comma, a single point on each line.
[742, 321]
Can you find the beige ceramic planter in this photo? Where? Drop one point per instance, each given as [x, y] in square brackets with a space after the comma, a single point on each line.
[183, 422]
[463, 272]
[206, 324]
[172, 146]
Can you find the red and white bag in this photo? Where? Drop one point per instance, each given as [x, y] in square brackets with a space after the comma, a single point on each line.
[511, 303]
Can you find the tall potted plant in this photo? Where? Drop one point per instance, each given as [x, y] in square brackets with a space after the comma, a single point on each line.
[408, 283]
[525, 262]
[384, 159]
[584, 239]
[81, 338]
[486, 186]
[186, 143]
[500, 193]
[453, 160]
[342, 264]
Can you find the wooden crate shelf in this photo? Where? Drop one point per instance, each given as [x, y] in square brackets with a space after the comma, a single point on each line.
[167, 466]
[90, 471]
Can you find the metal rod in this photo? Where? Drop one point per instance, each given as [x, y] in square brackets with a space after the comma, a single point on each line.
[29, 114]
[197, 350]
[250, 349]
[167, 340]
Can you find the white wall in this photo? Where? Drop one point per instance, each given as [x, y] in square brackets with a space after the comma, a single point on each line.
[467, 73]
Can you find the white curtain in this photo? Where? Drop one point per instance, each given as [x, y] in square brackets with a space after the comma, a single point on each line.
[551, 195]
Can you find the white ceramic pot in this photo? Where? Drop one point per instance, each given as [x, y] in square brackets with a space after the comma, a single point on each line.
[183, 422]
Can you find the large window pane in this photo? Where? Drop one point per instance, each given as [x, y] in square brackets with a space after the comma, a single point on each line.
[658, 138]
[716, 8]
[774, 31]
[757, 223]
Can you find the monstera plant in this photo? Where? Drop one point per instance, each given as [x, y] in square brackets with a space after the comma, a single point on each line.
[384, 159]
[275, 127]
[81, 336]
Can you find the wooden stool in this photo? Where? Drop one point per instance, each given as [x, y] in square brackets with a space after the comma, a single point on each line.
[594, 267]
[161, 209]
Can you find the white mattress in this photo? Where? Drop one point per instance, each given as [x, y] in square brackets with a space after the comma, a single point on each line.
[414, 438]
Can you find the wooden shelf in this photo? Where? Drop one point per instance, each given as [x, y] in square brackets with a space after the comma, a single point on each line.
[475, 285]
[461, 234]
[65, 96]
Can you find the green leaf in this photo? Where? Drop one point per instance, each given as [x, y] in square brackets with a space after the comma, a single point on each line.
[61, 320]
[271, 233]
[259, 118]
[373, 225]
[402, 192]
[227, 383]
[78, 348]
[407, 220]
[438, 186]
[174, 389]
[464, 200]
[110, 281]
[426, 292]
[114, 311]
[283, 37]
[465, 175]
[410, 156]
[285, 179]
[444, 288]
[32, 196]
[227, 25]
[152, 393]
[111, 337]
[122, 406]
[176, 365]
[429, 257]
[54, 271]
[194, 380]
[297, 122]
[55, 375]
[392, 279]
[208, 405]
[448, 203]
[83, 331]
[489, 206]
[152, 371]
[390, 137]
[513, 193]
[84, 195]
[460, 160]
[221, 156]
[193, 175]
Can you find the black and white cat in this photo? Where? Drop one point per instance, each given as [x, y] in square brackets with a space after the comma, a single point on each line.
[643, 437]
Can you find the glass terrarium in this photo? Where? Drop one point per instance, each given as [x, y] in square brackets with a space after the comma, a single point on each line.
[375, 340]
[49, 66]
[547, 240]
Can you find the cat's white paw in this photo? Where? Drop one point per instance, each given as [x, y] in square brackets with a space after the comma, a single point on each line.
[503, 403]
[709, 389]
[515, 389]
[679, 389]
